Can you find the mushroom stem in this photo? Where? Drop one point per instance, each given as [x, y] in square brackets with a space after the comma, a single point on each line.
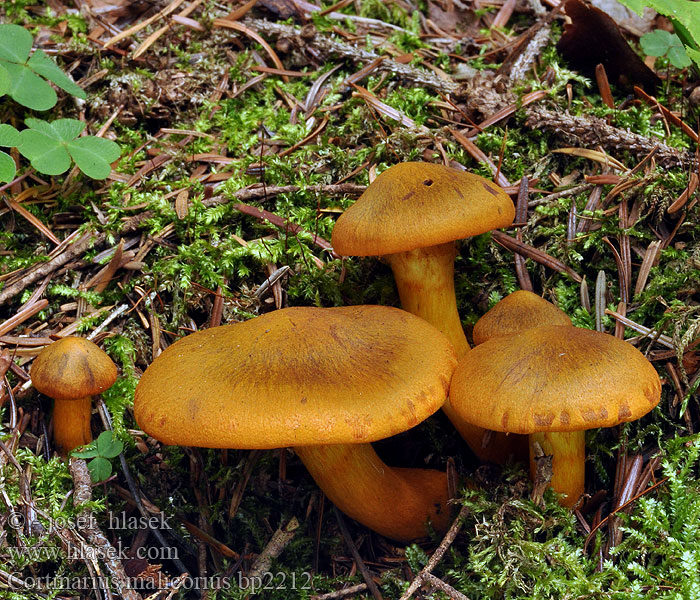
[394, 502]
[71, 423]
[568, 451]
[425, 280]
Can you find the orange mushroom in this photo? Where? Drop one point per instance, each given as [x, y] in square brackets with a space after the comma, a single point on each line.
[411, 215]
[325, 381]
[516, 312]
[71, 371]
[553, 383]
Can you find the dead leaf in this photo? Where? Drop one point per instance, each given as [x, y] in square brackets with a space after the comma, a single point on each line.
[593, 38]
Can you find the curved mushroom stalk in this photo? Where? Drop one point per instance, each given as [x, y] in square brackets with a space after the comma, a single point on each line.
[394, 502]
[568, 452]
[71, 423]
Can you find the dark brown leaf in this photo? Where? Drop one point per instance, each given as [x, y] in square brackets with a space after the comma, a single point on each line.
[594, 38]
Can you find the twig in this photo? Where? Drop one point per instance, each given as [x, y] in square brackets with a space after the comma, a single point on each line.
[89, 240]
[521, 219]
[338, 594]
[437, 555]
[524, 62]
[282, 223]
[594, 132]
[572, 191]
[664, 340]
[438, 583]
[366, 575]
[86, 525]
[22, 316]
[274, 548]
[113, 315]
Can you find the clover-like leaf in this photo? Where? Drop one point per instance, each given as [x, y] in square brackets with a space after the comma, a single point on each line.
[7, 167]
[50, 146]
[25, 76]
[88, 451]
[108, 446]
[28, 88]
[678, 56]
[100, 469]
[62, 130]
[664, 43]
[47, 155]
[9, 136]
[685, 17]
[5, 81]
[93, 155]
[15, 43]
[656, 43]
[44, 65]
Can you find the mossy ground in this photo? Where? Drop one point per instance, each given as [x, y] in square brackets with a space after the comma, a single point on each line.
[509, 547]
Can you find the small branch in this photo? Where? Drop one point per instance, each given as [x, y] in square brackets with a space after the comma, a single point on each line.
[593, 132]
[109, 555]
[338, 594]
[274, 548]
[438, 583]
[437, 555]
[88, 240]
[366, 575]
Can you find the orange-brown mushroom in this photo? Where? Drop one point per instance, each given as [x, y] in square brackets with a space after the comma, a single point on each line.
[516, 312]
[553, 383]
[411, 215]
[71, 371]
[325, 381]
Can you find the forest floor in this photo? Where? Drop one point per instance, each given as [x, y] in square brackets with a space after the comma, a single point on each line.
[245, 130]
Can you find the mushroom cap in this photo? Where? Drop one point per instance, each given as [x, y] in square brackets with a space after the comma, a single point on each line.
[553, 378]
[516, 312]
[297, 376]
[72, 368]
[415, 205]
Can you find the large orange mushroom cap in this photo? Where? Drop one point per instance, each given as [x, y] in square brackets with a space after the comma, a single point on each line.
[72, 368]
[516, 312]
[297, 377]
[415, 205]
[554, 378]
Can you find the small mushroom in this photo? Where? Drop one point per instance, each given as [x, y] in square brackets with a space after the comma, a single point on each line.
[516, 312]
[553, 383]
[325, 381]
[71, 371]
[411, 215]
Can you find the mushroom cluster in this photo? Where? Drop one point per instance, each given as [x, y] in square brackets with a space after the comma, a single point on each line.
[328, 382]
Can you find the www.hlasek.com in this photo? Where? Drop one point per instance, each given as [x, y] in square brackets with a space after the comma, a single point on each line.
[40, 553]
[253, 584]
